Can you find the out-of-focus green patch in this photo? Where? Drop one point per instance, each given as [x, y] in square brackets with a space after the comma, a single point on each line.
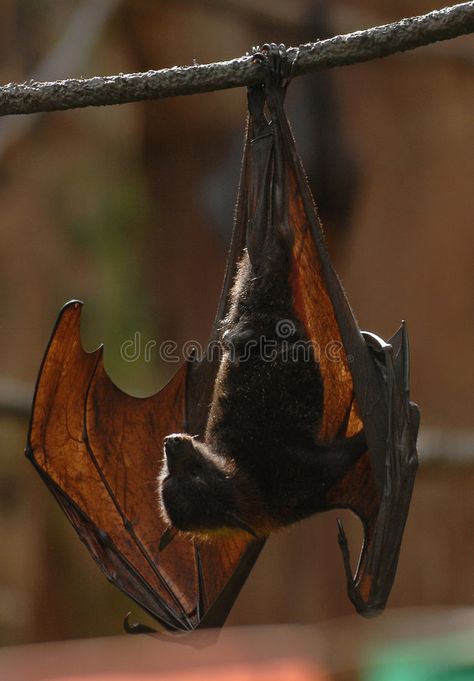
[108, 223]
[446, 658]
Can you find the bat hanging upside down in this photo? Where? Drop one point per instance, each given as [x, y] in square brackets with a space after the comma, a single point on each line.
[301, 412]
[261, 465]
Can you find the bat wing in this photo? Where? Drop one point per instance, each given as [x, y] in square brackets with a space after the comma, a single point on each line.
[370, 588]
[99, 451]
[365, 379]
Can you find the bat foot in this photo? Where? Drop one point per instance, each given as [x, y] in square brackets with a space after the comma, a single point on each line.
[261, 53]
[136, 627]
[279, 64]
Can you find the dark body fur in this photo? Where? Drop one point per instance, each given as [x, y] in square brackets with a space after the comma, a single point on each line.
[268, 398]
[261, 465]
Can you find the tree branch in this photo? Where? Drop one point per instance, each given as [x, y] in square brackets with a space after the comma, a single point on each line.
[342, 50]
[80, 34]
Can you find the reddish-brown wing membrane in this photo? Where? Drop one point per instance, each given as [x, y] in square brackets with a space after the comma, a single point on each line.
[100, 451]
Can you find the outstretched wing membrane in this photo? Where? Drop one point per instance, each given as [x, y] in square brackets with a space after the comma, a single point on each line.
[100, 451]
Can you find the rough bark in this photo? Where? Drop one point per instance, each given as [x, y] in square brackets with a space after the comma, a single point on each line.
[341, 50]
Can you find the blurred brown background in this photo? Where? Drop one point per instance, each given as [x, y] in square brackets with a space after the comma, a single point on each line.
[129, 208]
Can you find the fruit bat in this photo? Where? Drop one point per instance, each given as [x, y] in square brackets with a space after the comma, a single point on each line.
[292, 410]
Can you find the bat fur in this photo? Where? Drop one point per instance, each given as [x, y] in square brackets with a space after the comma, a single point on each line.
[261, 465]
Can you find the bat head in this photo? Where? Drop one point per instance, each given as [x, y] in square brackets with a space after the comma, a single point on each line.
[200, 492]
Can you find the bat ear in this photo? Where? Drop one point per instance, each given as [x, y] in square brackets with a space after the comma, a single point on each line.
[393, 352]
[401, 362]
[401, 368]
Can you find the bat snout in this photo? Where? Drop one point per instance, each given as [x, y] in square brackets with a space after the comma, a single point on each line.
[178, 450]
[173, 440]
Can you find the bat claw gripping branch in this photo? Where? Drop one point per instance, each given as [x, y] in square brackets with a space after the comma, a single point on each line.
[279, 64]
